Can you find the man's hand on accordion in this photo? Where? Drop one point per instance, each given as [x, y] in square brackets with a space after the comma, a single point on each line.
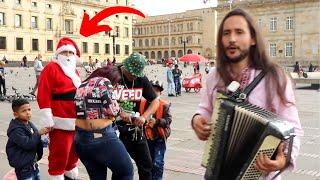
[201, 127]
[266, 165]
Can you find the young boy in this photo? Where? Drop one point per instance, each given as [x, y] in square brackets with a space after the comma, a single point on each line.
[24, 147]
[157, 130]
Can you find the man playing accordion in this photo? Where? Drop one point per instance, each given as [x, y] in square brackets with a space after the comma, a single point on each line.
[241, 56]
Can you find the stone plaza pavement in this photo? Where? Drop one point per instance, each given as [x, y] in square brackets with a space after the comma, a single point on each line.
[184, 151]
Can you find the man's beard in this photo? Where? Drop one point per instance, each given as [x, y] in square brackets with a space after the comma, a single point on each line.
[68, 62]
[243, 54]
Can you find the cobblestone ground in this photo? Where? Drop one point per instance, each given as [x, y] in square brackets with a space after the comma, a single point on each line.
[184, 151]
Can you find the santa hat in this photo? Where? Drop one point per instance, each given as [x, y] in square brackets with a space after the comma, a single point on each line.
[67, 44]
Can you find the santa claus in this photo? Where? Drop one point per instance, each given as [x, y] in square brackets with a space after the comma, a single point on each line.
[57, 86]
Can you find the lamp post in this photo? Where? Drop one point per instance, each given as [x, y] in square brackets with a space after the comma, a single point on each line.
[184, 41]
[169, 38]
[184, 45]
[113, 42]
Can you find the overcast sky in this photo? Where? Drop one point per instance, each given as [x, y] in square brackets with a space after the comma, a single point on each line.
[158, 7]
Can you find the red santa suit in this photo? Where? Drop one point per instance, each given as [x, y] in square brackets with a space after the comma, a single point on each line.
[57, 86]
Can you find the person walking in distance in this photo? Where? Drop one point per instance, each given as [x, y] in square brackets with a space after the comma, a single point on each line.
[170, 80]
[177, 79]
[37, 66]
[2, 79]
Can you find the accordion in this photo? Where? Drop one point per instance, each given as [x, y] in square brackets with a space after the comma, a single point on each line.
[240, 131]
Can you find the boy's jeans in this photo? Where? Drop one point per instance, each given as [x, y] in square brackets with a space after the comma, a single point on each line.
[157, 150]
[28, 173]
[177, 84]
[101, 150]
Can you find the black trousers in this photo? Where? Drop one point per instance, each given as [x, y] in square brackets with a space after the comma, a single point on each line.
[3, 86]
[139, 152]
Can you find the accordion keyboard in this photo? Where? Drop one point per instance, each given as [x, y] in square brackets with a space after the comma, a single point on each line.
[268, 147]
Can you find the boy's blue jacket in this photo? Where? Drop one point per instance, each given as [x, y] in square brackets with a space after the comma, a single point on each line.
[23, 145]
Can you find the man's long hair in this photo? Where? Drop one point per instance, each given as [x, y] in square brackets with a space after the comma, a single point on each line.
[257, 56]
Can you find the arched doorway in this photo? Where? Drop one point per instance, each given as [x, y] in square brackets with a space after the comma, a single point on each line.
[159, 55]
[189, 51]
[208, 53]
[180, 53]
[153, 55]
[166, 54]
[173, 53]
[146, 54]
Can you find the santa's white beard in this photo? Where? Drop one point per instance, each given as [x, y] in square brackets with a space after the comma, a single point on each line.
[67, 62]
[68, 65]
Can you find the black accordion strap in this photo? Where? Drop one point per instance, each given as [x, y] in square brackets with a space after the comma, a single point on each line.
[241, 96]
[254, 83]
[288, 158]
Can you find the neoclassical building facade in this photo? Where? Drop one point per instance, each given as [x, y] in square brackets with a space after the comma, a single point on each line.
[291, 29]
[174, 35]
[30, 27]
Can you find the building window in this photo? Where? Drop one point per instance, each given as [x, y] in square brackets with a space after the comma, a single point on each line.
[84, 47]
[3, 42]
[126, 32]
[18, 2]
[289, 23]
[96, 48]
[273, 50]
[68, 26]
[273, 24]
[34, 22]
[49, 45]
[48, 6]
[34, 4]
[126, 49]
[2, 17]
[127, 3]
[35, 45]
[126, 18]
[289, 49]
[107, 48]
[153, 42]
[117, 1]
[159, 42]
[117, 49]
[49, 23]
[19, 43]
[17, 20]
[117, 31]
[140, 43]
[260, 22]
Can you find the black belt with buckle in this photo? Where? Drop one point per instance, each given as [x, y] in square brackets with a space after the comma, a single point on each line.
[68, 96]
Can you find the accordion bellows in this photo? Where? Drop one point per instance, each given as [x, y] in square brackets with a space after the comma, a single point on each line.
[239, 132]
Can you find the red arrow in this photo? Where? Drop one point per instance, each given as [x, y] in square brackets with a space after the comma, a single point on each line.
[90, 27]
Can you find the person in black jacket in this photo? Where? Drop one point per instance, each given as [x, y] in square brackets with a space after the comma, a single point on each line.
[24, 147]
